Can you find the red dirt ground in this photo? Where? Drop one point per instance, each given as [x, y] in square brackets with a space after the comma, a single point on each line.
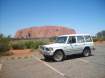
[24, 52]
[99, 42]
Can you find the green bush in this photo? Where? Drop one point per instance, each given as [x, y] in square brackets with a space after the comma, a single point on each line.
[4, 43]
[18, 46]
[38, 43]
[95, 39]
[34, 44]
[27, 44]
[100, 39]
[101, 35]
[52, 39]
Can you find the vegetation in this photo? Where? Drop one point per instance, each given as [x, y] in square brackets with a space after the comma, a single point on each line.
[18, 45]
[4, 43]
[95, 39]
[28, 44]
[101, 35]
[52, 39]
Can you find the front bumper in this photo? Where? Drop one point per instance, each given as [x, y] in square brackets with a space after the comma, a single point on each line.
[47, 53]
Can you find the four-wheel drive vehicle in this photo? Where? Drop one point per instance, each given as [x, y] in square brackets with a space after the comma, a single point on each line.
[67, 45]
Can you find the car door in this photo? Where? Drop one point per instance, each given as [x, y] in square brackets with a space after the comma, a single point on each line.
[80, 43]
[70, 45]
[75, 44]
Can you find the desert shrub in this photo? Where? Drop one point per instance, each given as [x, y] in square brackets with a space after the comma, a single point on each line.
[27, 44]
[36, 44]
[52, 39]
[4, 43]
[95, 39]
[101, 35]
[100, 39]
[18, 45]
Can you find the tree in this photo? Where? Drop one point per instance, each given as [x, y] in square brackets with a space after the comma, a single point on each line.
[1, 35]
[101, 35]
[4, 43]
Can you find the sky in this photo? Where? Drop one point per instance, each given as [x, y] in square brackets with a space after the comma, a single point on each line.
[85, 16]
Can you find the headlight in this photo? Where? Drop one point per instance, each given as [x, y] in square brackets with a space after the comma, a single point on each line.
[49, 49]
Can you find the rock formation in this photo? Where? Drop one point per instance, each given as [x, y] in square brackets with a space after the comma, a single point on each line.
[43, 32]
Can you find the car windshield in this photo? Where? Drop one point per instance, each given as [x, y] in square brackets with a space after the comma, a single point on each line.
[61, 39]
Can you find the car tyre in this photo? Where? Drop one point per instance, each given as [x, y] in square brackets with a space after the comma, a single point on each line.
[86, 52]
[58, 56]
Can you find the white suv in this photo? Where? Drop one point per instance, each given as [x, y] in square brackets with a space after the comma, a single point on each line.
[67, 45]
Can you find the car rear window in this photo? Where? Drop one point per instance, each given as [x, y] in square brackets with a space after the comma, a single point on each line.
[80, 39]
[88, 39]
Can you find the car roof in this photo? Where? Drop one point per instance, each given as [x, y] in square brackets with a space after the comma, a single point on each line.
[74, 35]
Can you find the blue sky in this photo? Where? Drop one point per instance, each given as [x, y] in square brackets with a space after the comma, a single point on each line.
[85, 16]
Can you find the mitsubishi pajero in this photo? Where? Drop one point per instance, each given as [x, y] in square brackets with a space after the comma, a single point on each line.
[67, 45]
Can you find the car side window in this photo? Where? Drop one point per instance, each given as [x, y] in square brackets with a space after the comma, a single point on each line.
[80, 39]
[88, 39]
[72, 39]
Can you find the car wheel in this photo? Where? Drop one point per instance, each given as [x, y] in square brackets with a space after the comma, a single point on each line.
[58, 56]
[86, 52]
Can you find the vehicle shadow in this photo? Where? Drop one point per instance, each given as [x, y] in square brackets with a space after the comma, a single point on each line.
[76, 56]
[69, 57]
[73, 56]
[48, 60]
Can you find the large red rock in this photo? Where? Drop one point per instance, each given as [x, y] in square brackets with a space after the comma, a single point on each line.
[43, 32]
